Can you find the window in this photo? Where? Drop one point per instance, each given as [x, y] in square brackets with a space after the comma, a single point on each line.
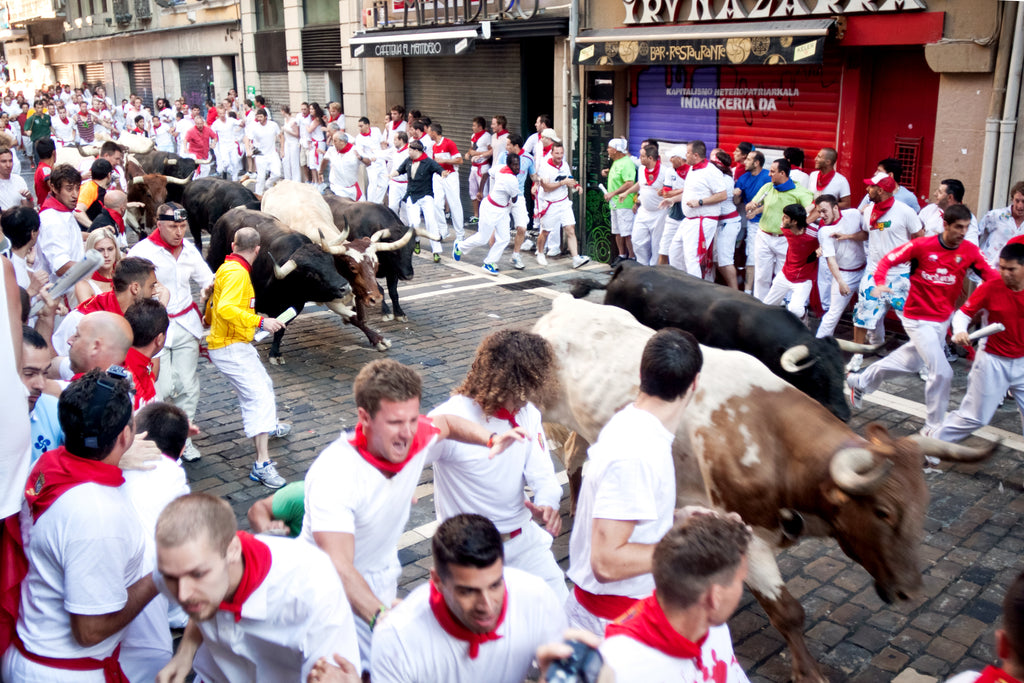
[92, 7]
[321, 12]
[269, 14]
[104, 6]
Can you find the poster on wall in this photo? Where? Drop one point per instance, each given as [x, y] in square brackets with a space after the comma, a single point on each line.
[773, 107]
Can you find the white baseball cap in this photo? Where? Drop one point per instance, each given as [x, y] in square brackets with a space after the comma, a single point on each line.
[619, 145]
[678, 151]
[550, 134]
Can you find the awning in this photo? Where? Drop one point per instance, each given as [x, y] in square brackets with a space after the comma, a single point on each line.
[429, 43]
[757, 42]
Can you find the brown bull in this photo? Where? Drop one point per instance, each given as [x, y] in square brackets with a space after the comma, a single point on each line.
[755, 445]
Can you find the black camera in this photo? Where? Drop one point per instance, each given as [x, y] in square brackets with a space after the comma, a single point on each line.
[582, 666]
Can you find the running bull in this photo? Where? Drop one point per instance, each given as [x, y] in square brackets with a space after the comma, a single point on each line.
[752, 444]
[207, 199]
[288, 271]
[728, 319]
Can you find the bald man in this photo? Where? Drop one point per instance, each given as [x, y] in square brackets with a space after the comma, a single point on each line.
[101, 340]
[115, 203]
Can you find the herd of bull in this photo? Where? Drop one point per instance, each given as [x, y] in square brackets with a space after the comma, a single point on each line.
[765, 435]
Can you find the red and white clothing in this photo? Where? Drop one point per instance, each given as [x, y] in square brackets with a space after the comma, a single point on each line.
[104, 301]
[290, 167]
[494, 212]
[999, 364]
[697, 229]
[229, 146]
[650, 219]
[60, 238]
[554, 207]
[849, 257]
[264, 139]
[643, 647]
[317, 146]
[629, 476]
[991, 674]
[197, 142]
[295, 614]
[834, 183]
[995, 230]
[64, 131]
[391, 129]
[932, 219]
[369, 146]
[347, 494]
[467, 481]
[676, 179]
[729, 225]
[343, 177]
[478, 175]
[398, 185]
[443, 152]
[799, 271]
[935, 283]
[499, 144]
[11, 191]
[422, 642]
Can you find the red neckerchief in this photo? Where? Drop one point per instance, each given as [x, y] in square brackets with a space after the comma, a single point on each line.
[502, 132]
[403, 149]
[453, 628]
[365, 135]
[238, 259]
[697, 167]
[256, 561]
[425, 432]
[101, 278]
[507, 415]
[65, 121]
[652, 174]
[107, 301]
[824, 179]
[344, 149]
[553, 164]
[645, 622]
[118, 220]
[880, 209]
[476, 136]
[54, 474]
[395, 125]
[506, 169]
[141, 367]
[156, 239]
[52, 203]
[993, 674]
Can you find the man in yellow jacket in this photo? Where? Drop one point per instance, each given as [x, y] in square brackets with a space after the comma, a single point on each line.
[233, 322]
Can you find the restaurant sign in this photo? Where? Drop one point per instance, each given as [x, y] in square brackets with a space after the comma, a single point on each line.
[704, 52]
[675, 11]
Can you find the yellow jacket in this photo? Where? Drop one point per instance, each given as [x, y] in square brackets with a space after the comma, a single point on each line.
[230, 311]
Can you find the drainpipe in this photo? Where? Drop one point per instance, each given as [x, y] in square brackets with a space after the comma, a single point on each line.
[1008, 126]
[988, 158]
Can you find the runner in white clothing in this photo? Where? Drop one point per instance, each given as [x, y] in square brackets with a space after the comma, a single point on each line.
[261, 143]
[628, 496]
[344, 161]
[650, 216]
[842, 249]
[479, 156]
[703, 192]
[553, 207]
[494, 213]
[59, 245]
[510, 374]
[290, 167]
[825, 179]
[229, 144]
[358, 491]
[398, 185]
[371, 145]
[998, 226]
[260, 608]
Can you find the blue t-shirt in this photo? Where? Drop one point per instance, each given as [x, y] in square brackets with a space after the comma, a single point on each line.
[750, 184]
[46, 431]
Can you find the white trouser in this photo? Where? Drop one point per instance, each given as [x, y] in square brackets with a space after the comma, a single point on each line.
[925, 348]
[425, 205]
[384, 584]
[647, 227]
[162, 147]
[202, 170]
[376, 182]
[17, 668]
[268, 171]
[725, 241]
[493, 221]
[531, 552]
[668, 235]
[686, 250]
[291, 169]
[838, 301]
[769, 256]
[315, 154]
[991, 376]
[240, 363]
[824, 284]
[479, 180]
[751, 245]
[396, 197]
[229, 160]
[448, 188]
[579, 617]
[799, 293]
[351, 192]
[178, 382]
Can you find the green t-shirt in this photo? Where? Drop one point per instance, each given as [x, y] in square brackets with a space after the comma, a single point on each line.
[38, 126]
[775, 202]
[623, 171]
[288, 505]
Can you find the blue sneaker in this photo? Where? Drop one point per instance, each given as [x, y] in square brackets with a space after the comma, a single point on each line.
[456, 252]
[491, 268]
[267, 475]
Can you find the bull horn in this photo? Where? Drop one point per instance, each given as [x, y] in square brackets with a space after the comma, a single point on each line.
[138, 180]
[339, 240]
[790, 359]
[853, 347]
[136, 205]
[281, 272]
[176, 181]
[336, 249]
[379, 235]
[397, 244]
[951, 451]
[420, 232]
[170, 162]
[204, 162]
[854, 471]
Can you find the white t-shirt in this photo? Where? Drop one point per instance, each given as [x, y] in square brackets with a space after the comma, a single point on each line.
[997, 227]
[548, 172]
[81, 564]
[229, 132]
[64, 132]
[482, 144]
[466, 480]
[304, 122]
[629, 476]
[504, 189]
[891, 230]
[391, 129]
[346, 494]
[369, 144]
[838, 187]
[635, 662]
[849, 254]
[264, 138]
[701, 184]
[297, 615]
[411, 646]
[10, 192]
[16, 448]
[177, 276]
[799, 177]
[344, 171]
[60, 241]
[649, 197]
[932, 219]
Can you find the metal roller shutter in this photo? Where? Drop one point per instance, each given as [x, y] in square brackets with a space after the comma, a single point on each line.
[439, 88]
[196, 75]
[94, 74]
[64, 73]
[274, 88]
[316, 88]
[140, 80]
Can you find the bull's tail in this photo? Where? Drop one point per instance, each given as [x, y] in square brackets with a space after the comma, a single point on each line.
[581, 287]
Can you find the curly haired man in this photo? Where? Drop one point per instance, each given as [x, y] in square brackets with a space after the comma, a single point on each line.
[508, 379]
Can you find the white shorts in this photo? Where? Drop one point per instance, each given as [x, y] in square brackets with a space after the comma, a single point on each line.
[557, 215]
[579, 617]
[520, 218]
[240, 363]
[622, 222]
[725, 241]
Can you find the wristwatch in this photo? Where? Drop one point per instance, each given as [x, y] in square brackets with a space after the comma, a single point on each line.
[700, 202]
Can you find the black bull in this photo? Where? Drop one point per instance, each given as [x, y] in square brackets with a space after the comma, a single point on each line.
[728, 319]
[289, 269]
[207, 199]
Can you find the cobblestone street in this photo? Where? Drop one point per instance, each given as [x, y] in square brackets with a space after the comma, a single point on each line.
[972, 542]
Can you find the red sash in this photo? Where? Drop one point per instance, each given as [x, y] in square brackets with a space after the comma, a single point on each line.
[604, 606]
[453, 628]
[425, 432]
[111, 667]
[500, 206]
[256, 561]
[646, 623]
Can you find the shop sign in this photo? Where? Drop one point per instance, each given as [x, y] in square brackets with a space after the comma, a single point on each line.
[704, 52]
[675, 11]
[414, 48]
[438, 13]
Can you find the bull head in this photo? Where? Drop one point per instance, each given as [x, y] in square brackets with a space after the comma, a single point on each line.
[791, 358]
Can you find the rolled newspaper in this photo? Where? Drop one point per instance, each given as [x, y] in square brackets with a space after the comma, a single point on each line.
[284, 318]
[604, 190]
[986, 331]
[81, 270]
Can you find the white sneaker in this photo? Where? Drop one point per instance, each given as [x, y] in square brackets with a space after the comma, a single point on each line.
[856, 393]
[855, 362]
[554, 252]
[923, 374]
[541, 259]
[517, 262]
[527, 245]
[580, 260]
[282, 429]
[191, 453]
